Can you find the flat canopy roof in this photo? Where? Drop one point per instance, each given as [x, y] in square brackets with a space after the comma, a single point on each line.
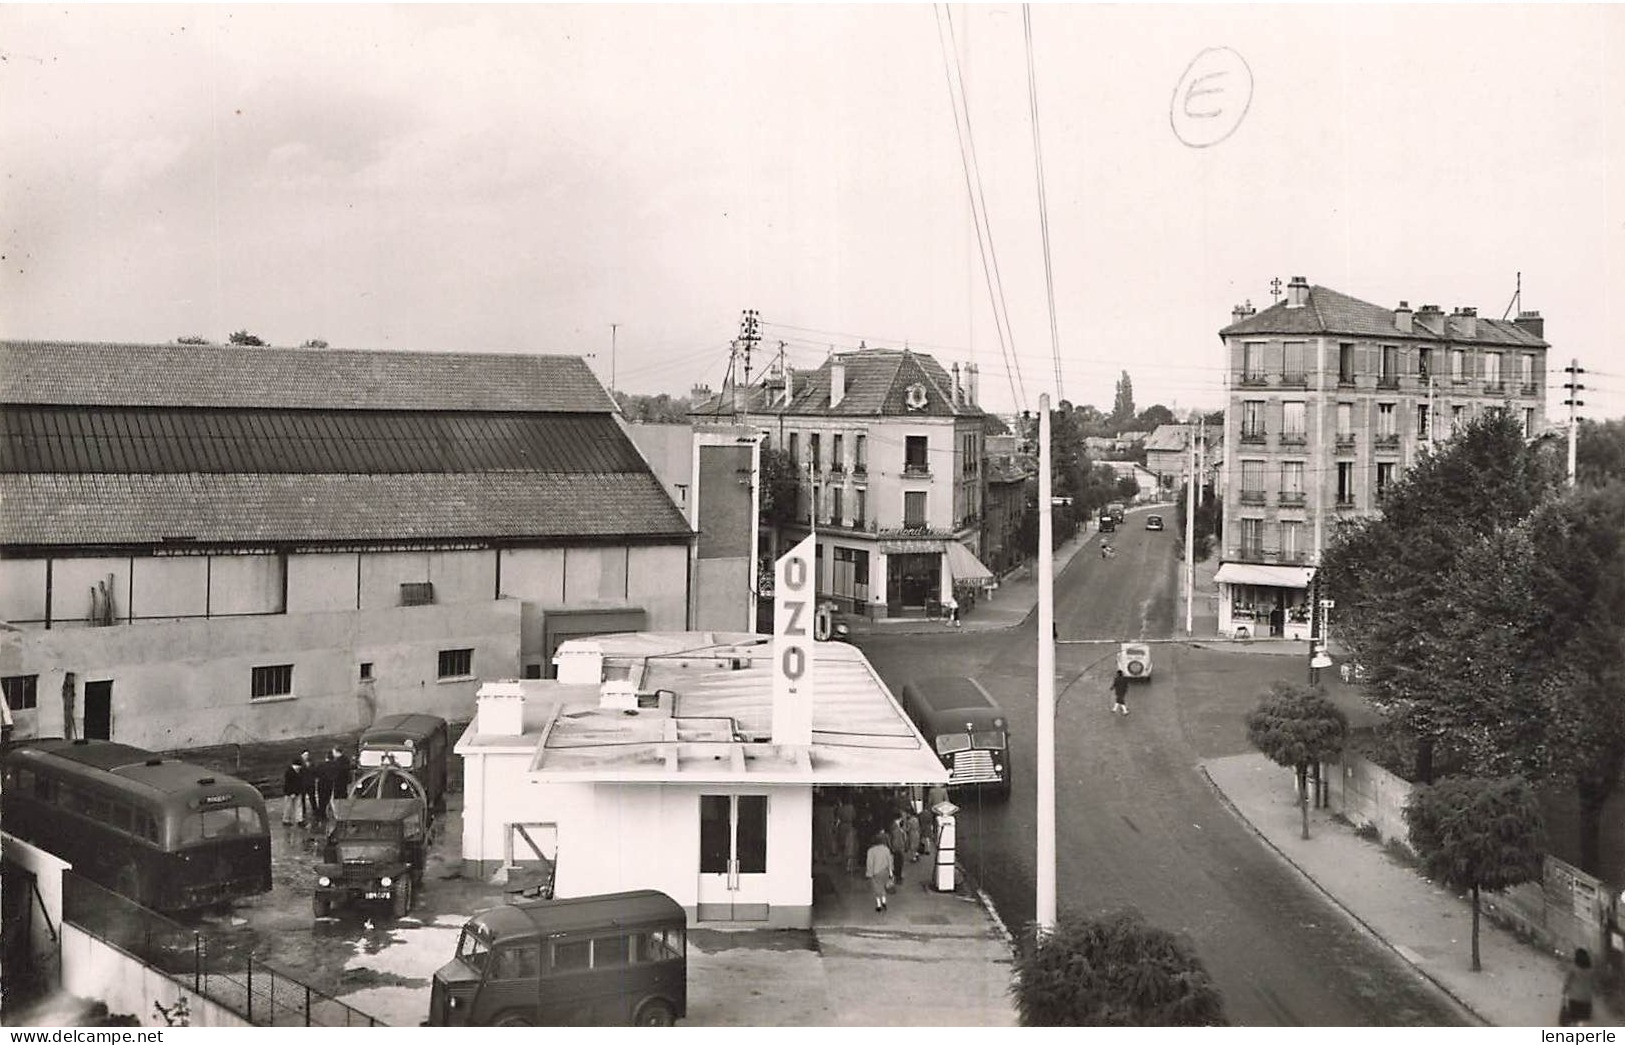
[1268, 576]
[705, 716]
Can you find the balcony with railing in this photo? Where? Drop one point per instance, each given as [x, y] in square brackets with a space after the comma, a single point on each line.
[1294, 438]
[1494, 388]
[1528, 389]
[1252, 497]
[916, 470]
[1388, 381]
[1345, 502]
[1252, 553]
[860, 470]
[1254, 379]
[1345, 442]
[1291, 498]
[837, 468]
[1345, 379]
[1294, 379]
[1254, 435]
[1386, 441]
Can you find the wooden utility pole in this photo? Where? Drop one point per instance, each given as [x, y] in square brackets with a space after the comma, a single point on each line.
[1045, 911]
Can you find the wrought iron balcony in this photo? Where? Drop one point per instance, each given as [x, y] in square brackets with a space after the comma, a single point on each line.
[1294, 379]
[1254, 380]
[1253, 435]
[1345, 442]
[916, 471]
[1294, 438]
[1527, 389]
[1386, 442]
[1345, 503]
[1494, 388]
[1252, 497]
[1290, 498]
[1388, 381]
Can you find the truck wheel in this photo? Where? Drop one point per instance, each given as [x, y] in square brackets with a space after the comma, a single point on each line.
[403, 897]
[656, 1012]
[513, 1018]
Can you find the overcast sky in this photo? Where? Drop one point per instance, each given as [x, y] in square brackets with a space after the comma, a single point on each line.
[519, 178]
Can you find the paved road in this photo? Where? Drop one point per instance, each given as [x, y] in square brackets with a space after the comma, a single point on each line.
[1138, 824]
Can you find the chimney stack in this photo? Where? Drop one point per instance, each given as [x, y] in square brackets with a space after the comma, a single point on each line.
[1432, 318]
[1297, 292]
[837, 381]
[1404, 318]
[1467, 321]
[1243, 311]
[789, 383]
[500, 709]
[699, 394]
[959, 395]
[974, 374]
[1531, 322]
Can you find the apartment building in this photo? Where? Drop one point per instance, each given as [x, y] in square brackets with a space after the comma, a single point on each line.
[1329, 400]
[890, 446]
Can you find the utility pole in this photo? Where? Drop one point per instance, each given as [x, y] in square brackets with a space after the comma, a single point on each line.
[1573, 385]
[1432, 420]
[612, 328]
[1190, 536]
[1045, 911]
[748, 336]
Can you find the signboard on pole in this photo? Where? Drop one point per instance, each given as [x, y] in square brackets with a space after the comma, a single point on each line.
[795, 592]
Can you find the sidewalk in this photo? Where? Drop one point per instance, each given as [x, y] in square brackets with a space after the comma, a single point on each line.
[858, 967]
[1426, 924]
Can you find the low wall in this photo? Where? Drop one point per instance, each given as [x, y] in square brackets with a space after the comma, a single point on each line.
[98, 971]
[1367, 795]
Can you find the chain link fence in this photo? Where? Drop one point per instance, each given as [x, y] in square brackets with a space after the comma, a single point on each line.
[206, 962]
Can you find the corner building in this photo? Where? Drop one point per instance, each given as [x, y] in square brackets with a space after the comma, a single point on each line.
[1329, 399]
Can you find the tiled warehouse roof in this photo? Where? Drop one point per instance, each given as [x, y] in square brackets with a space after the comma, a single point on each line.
[102, 509]
[104, 374]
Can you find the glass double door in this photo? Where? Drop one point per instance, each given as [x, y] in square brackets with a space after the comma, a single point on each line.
[733, 858]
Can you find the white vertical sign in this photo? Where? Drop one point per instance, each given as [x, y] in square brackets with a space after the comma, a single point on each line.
[794, 595]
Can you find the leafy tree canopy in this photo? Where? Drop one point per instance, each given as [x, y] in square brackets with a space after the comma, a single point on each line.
[780, 487]
[1123, 402]
[1152, 416]
[193, 339]
[1297, 726]
[1114, 971]
[1599, 452]
[243, 337]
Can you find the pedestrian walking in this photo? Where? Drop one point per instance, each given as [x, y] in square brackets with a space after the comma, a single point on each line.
[308, 781]
[878, 867]
[897, 838]
[1579, 987]
[324, 788]
[950, 611]
[911, 830]
[849, 844]
[293, 794]
[1120, 693]
[343, 771]
[928, 830]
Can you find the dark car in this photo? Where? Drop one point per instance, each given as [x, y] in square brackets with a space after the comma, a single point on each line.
[1107, 524]
[1153, 522]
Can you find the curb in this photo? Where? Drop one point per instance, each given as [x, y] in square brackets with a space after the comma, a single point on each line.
[986, 902]
[1356, 919]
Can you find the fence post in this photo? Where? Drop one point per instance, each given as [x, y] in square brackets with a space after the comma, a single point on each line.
[197, 961]
[251, 990]
[307, 1004]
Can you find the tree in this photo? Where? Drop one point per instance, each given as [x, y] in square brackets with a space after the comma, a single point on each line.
[1127, 487]
[655, 409]
[193, 339]
[1599, 452]
[780, 487]
[1114, 971]
[1533, 665]
[243, 337]
[1477, 834]
[1388, 572]
[1296, 726]
[1123, 403]
[1152, 416]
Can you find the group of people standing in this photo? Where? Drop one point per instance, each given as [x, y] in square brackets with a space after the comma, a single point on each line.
[308, 788]
[895, 827]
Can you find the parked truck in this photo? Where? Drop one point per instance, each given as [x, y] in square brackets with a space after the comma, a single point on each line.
[376, 844]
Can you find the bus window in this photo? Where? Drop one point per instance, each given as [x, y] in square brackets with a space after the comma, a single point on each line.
[518, 962]
[571, 955]
[660, 945]
[988, 740]
[122, 816]
[210, 824]
[609, 952]
[473, 952]
[948, 743]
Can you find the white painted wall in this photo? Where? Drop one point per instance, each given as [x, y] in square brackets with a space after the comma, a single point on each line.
[322, 582]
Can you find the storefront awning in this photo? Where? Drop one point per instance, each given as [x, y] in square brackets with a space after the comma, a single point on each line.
[1268, 576]
[965, 566]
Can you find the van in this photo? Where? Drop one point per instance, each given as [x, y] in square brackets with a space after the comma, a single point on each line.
[417, 743]
[966, 728]
[613, 960]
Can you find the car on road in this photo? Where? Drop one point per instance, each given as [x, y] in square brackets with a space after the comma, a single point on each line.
[1153, 522]
[1134, 660]
[1116, 510]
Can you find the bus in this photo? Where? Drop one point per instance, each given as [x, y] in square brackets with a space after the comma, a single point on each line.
[615, 959]
[416, 743]
[966, 727]
[168, 834]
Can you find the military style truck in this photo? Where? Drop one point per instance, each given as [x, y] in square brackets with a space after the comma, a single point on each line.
[375, 847]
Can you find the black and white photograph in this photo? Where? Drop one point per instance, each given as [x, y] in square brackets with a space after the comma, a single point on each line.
[812, 515]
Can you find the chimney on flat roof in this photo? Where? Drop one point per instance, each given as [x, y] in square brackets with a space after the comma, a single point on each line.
[1243, 311]
[500, 709]
[973, 380]
[580, 662]
[1432, 318]
[1297, 292]
[1467, 321]
[1531, 322]
[789, 383]
[837, 381]
[1403, 318]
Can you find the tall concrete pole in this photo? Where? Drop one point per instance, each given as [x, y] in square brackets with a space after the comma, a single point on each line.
[1045, 916]
[1190, 536]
